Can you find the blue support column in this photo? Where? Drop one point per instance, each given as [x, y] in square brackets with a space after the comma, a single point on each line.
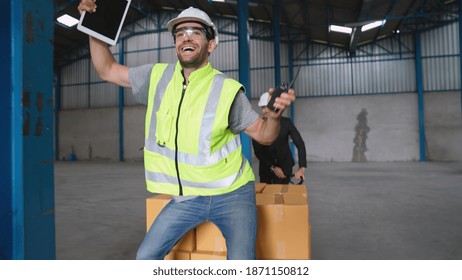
[460, 53]
[244, 65]
[11, 161]
[37, 110]
[159, 38]
[121, 104]
[291, 77]
[57, 109]
[26, 109]
[420, 92]
[277, 44]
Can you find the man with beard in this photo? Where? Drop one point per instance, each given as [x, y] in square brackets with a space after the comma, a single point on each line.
[192, 144]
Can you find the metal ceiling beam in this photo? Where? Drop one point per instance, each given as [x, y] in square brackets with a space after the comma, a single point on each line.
[329, 22]
[354, 39]
[366, 6]
[379, 29]
[306, 18]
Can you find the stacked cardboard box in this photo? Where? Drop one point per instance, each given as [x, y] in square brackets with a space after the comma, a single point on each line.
[182, 250]
[283, 233]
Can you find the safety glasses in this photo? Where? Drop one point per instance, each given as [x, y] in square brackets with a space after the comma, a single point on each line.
[190, 31]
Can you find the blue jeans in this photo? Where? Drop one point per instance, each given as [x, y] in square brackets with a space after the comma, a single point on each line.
[235, 214]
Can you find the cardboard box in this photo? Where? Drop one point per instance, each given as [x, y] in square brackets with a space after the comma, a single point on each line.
[209, 238]
[259, 187]
[292, 189]
[154, 205]
[178, 255]
[283, 227]
[204, 255]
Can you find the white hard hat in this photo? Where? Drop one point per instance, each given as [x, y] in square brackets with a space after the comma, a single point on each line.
[193, 14]
[263, 99]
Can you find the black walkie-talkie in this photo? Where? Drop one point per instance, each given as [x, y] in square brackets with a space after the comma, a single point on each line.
[276, 93]
[284, 87]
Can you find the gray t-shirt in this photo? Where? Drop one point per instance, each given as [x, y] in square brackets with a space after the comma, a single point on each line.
[241, 114]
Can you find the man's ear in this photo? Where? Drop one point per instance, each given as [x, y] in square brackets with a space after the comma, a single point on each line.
[211, 46]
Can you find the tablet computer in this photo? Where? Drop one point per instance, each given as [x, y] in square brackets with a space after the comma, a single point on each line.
[105, 24]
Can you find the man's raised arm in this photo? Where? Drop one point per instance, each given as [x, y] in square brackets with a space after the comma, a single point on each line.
[103, 60]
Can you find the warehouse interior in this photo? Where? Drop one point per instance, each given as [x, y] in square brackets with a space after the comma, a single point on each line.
[380, 111]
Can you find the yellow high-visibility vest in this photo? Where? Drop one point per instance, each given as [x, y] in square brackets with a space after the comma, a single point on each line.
[189, 148]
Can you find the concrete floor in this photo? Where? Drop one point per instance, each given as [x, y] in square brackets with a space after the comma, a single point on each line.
[358, 211]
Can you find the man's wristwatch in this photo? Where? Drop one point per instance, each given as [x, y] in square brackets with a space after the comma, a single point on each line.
[272, 168]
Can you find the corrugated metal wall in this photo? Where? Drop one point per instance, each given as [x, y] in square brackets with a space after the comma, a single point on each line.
[384, 67]
[388, 66]
[441, 59]
[75, 85]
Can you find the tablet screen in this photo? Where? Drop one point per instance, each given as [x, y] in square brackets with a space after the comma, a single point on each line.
[106, 23]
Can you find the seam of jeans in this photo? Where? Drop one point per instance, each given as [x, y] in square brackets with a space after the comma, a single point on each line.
[209, 206]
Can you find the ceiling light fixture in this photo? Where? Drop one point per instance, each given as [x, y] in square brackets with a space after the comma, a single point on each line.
[67, 20]
[341, 29]
[372, 25]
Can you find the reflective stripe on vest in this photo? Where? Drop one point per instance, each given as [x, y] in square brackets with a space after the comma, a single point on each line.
[164, 178]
